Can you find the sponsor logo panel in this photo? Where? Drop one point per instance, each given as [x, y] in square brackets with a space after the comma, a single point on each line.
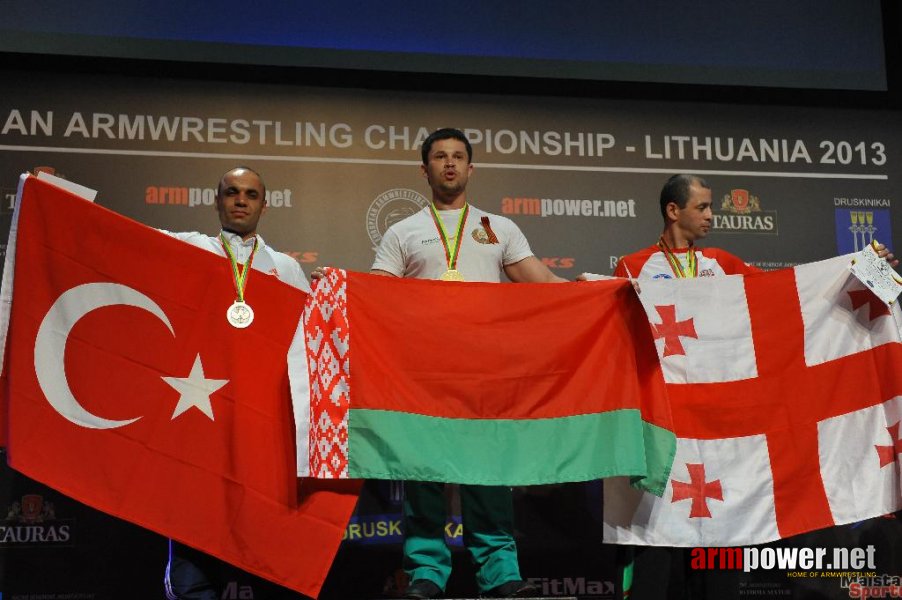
[858, 227]
[740, 212]
[568, 207]
[559, 262]
[303, 257]
[31, 521]
[387, 529]
[585, 588]
[193, 197]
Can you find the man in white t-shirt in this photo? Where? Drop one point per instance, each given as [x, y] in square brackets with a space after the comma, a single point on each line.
[453, 241]
[240, 202]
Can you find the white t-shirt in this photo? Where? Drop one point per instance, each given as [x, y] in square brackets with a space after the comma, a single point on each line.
[413, 247]
[266, 260]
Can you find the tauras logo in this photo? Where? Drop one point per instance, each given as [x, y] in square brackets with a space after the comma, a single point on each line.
[31, 521]
[575, 586]
[740, 212]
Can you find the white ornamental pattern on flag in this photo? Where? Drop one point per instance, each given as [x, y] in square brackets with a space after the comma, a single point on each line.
[329, 362]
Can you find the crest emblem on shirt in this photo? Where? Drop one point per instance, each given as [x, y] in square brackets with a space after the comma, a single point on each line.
[388, 208]
[480, 235]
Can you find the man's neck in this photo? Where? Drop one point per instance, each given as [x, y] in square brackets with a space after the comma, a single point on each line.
[453, 203]
[244, 236]
[674, 238]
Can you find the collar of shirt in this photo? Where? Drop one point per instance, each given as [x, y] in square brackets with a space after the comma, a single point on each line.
[242, 248]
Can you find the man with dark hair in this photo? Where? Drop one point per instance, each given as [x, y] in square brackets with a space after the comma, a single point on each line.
[240, 202]
[663, 572]
[686, 209]
[453, 241]
[446, 133]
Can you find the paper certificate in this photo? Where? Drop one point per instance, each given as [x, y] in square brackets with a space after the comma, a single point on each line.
[876, 273]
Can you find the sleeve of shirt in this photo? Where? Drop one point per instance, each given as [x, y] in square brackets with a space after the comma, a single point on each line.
[516, 247]
[389, 256]
[192, 237]
[295, 277]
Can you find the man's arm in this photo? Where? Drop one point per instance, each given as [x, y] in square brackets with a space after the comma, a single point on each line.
[531, 270]
[381, 272]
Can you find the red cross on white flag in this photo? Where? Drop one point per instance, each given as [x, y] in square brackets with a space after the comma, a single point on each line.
[787, 399]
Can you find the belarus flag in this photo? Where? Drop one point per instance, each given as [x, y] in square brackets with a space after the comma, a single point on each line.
[786, 391]
[126, 389]
[482, 383]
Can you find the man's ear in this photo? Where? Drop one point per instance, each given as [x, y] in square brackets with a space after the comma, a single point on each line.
[672, 210]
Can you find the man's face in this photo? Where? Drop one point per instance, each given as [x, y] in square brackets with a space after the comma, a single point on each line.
[695, 220]
[240, 202]
[448, 168]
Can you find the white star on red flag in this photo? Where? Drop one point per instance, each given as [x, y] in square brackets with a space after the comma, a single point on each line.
[195, 390]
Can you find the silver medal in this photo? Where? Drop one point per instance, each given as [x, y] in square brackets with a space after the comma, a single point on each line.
[240, 315]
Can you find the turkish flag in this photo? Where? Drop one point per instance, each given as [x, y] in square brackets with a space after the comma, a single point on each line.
[128, 390]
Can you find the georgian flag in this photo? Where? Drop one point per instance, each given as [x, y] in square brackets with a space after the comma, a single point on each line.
[786, 397]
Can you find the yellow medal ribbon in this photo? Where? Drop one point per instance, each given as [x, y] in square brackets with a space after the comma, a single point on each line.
[241, 276]
[675, 265]
[451, 253]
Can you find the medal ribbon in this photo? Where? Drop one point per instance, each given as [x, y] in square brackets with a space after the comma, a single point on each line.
[240, 277]
[451, 254]
[675, 265]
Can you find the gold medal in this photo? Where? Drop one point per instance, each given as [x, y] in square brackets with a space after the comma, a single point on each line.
[451, 251]
[452, 275]
[240, 314]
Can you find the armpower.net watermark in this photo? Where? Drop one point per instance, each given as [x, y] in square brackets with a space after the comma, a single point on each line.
[784, 559]
[853, 567]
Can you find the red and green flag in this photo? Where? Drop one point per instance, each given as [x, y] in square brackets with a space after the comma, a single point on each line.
[482, 383]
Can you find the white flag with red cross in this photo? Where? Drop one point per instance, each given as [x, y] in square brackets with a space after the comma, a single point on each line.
[786, 395]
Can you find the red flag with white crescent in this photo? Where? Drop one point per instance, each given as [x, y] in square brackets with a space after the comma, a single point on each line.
[128, 390]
